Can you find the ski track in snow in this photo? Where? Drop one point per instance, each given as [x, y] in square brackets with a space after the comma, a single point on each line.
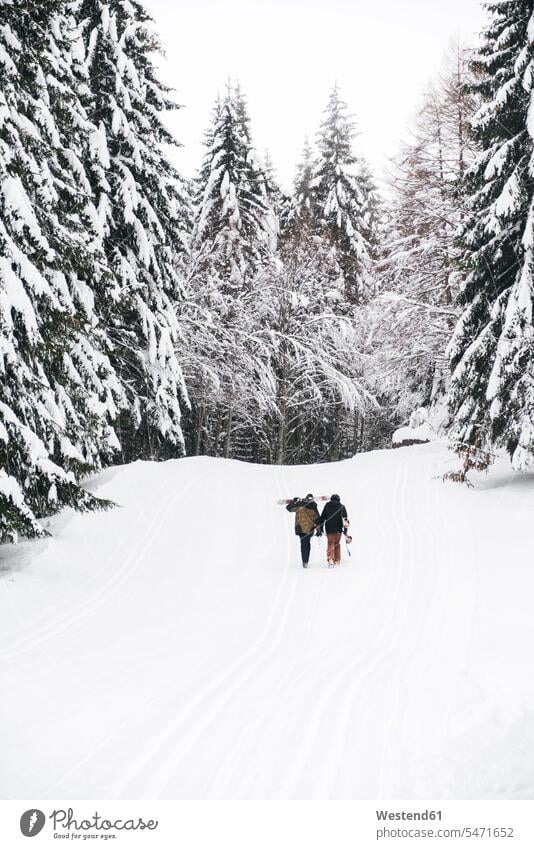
[236, 675]
[176, 648]
[101, 596]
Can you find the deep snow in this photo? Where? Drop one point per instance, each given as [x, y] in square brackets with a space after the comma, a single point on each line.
[174, 648]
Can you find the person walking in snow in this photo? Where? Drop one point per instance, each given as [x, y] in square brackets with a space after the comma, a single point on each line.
[334, 520]
[306, 523]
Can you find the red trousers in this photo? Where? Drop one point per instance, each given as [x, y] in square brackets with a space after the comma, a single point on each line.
[333, 551]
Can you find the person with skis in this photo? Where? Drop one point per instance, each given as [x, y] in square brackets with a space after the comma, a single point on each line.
[306, 523]
[335, 521]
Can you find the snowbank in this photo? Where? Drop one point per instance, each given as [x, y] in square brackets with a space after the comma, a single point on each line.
[418, 432]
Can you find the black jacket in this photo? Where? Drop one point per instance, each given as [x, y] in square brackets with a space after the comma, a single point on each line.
[332, 517]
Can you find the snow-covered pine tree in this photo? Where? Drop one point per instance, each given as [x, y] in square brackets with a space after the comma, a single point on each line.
[373, 212]
[258, 189]
[234, 234]
[338, 195]
[233, 229]
[492, 351]
[278, 201]
[302, 209]
[200, 231]
[140, 220]
[419, 275]
[58, 392]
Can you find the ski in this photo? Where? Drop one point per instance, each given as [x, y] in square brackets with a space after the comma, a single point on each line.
[317, 498]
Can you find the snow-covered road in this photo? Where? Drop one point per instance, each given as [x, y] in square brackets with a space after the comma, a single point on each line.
[174, 648]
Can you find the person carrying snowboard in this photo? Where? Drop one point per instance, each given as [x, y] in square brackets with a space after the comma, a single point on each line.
[334, 519]
[306, 522]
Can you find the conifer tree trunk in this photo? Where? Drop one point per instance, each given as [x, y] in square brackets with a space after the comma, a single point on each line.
[282, 434]
[355, 433]
[228, 437]
[198, 434]
[214, 447]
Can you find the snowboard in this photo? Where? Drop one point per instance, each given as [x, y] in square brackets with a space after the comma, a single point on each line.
[317, 498]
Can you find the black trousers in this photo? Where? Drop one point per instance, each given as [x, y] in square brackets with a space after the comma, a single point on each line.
[305, 545]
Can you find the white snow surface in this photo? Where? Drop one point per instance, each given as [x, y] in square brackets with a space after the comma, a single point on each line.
[174, 648]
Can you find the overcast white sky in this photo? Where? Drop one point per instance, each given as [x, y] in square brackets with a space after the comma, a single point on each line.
[288, 53]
